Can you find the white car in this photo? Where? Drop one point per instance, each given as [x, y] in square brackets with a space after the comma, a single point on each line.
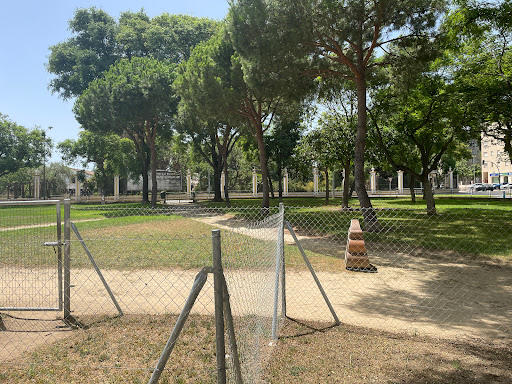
[506, 186]
[477, 187]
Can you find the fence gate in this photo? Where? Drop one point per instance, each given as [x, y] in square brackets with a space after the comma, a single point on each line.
[31, 256]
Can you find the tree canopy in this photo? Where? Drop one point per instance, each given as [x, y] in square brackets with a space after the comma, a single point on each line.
[484, 64]
[110, 154]
[20, 147]
[344, 39]
[99, 41]
[135, 97]
[270, 74]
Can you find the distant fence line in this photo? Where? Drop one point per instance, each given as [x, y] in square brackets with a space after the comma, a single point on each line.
[397, 184]
[177, 197]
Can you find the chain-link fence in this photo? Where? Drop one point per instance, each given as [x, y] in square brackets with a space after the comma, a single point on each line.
[447, 275]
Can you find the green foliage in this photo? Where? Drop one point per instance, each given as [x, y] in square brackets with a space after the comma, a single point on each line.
[209, 95]
[271, 74]
[111, 154]
[99, 41]
[426, 116]
[483, 64]
[135, 97]
[131, 93]
[20, 147]
[57, 177]
[342, 39]
[82, 58]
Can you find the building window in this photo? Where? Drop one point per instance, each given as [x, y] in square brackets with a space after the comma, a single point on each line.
[485, 154]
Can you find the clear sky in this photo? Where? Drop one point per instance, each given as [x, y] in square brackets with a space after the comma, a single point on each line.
[29, 27]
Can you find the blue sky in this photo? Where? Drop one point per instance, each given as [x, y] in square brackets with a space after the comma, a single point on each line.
[29, 28]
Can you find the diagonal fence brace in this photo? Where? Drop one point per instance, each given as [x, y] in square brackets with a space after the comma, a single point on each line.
[315, 277]
[96, 268]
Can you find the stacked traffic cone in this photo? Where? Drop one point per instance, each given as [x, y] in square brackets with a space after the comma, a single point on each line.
[356, 258]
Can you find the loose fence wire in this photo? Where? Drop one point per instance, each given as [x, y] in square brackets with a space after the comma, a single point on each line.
[447, 275]
[251, 261]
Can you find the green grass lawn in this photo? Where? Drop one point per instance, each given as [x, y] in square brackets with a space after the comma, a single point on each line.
[474, 226]
[442, 203]
[134, 236]
[127, 236]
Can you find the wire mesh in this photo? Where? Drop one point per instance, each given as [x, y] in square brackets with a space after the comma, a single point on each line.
[29, 273]
[251, 262]
[447, 275]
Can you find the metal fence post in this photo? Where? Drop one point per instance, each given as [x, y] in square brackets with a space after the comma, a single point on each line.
[67, 259]
[231, 333]
[219, 307]
[59, 254]
[276, 293]
[283, 265]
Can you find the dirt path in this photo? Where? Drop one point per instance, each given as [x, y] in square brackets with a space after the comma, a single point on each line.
[46, 225]
[395, 299]
[423, 292]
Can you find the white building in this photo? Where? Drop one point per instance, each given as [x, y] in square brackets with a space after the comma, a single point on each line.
[496, 166]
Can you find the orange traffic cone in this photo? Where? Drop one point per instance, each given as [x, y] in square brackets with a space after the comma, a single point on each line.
[356, 258]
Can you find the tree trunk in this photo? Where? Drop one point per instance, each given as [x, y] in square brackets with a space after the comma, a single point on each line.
[226, 185]
[411, 189]
[326, 171]
[154, 186]
[369, 215]
[347, 192]
[216, 184]
[145, 178]
[102, 179]
[216, 171]
[140, 148]
[270, 185]
[263, 164]
[428, 195]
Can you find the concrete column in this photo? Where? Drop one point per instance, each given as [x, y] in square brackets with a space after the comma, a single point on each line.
[315, 181]
[431, 178]
[450, 178]
[222, 183]
[285, 182]
[254, 182]
[116, 187]
[189, 184]
[373, 181]
[77, 189]
[37, 185]
[400, 182]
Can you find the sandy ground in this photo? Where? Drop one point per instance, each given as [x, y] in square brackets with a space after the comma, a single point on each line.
[394, 299]
[414, 293]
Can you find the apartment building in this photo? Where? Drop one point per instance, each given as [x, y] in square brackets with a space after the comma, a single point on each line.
[496, 166]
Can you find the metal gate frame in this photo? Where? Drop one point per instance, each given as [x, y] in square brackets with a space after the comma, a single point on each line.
[61, 284]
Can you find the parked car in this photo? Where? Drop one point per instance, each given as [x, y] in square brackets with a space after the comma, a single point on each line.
[488, 187]
[476, 187]
[496, 186]
[506, 186]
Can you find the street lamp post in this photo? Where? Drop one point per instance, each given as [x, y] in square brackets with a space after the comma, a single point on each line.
[497, 166]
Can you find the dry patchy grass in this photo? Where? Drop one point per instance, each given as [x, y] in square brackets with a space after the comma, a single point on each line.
[123, 350]
[314, 353]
